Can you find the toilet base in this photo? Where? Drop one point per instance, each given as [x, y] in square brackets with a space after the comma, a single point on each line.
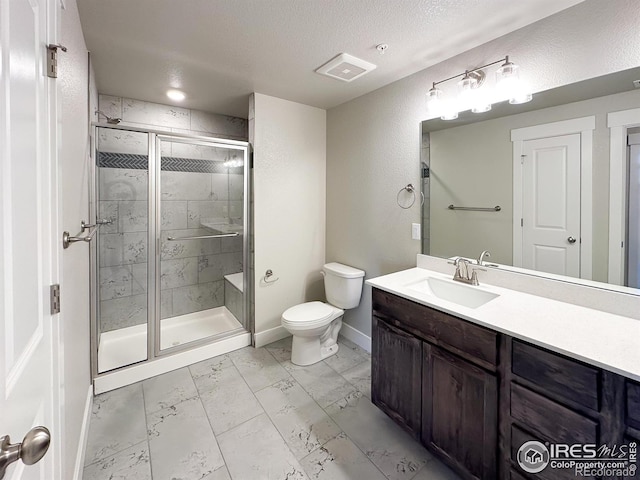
[309, 350]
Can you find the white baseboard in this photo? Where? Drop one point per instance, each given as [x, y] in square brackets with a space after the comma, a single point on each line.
[84, 435]
[356, 336]
[144, 370]
[272, 335]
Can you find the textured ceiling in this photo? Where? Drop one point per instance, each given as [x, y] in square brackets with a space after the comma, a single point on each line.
[219, 51]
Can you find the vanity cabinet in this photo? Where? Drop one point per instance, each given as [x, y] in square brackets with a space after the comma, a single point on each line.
[444, 369]
[474, 396]
[460, 412]
[396, 369]
[632, 410]
[552, 398]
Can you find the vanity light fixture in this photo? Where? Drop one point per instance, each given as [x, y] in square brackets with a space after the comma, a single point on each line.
[471, 95]
[176, 95]
[508, 80]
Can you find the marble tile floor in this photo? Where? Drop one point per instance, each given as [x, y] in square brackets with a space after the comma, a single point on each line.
[253, 415]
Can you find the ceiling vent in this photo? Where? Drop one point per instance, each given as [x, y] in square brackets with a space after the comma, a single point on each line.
[346, 67]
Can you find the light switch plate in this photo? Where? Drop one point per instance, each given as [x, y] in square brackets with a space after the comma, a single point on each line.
[415, 231]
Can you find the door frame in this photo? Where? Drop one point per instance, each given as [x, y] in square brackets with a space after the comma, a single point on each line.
[618, 123]
[583, 126]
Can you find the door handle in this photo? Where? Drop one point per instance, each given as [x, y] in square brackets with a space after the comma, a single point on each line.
[571, 240]
[33, 447]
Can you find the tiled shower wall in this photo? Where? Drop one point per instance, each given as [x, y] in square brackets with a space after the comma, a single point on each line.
[192, 270]
[137, 113]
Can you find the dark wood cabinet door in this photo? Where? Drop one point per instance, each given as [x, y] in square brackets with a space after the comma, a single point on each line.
[396, 372]
[460, 413]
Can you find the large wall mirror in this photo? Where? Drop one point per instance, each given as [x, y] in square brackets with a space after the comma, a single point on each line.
[549, 187]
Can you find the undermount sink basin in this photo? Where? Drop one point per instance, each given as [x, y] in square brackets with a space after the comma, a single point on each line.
[459, 293]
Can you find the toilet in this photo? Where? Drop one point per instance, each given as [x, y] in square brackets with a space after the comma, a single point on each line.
[315, 325]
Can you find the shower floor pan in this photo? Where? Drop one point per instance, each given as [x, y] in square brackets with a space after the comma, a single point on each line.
[127, 346]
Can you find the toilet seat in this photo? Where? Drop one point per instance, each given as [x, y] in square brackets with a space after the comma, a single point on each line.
[308, 315]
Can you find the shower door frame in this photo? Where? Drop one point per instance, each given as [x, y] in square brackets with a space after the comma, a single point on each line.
[154, 242]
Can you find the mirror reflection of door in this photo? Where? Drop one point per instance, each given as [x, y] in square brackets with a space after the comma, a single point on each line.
[553, 197]
[551, 205]
[632, 276]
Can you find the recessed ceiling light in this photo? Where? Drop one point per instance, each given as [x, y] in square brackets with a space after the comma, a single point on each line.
[176, 95]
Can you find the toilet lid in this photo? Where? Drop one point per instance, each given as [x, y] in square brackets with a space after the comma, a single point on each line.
[307, 312]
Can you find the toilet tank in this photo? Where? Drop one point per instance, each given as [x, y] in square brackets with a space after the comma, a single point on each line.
[342, 285]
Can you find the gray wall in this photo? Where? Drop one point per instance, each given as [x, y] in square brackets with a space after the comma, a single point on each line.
[289, 192]
[73, 154]
[373, 142]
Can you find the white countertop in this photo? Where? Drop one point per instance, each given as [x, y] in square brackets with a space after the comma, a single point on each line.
[602, 339]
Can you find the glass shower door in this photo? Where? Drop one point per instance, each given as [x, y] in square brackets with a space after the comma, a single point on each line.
[122, 185]
[200, 217]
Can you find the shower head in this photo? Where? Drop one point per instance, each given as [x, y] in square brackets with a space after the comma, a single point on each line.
[111, 120]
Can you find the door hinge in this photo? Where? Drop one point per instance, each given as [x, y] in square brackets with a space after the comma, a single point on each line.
[55, 299]
[522, 159]
[522, 222]
[52, 59]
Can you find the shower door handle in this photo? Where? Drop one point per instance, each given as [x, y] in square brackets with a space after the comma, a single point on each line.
[201, 237]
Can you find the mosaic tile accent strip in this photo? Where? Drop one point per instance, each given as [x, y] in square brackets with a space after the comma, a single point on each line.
[122, 160]
[169, 164]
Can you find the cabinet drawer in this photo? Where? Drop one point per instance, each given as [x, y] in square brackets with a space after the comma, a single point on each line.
[633, 404]
[551, 420]
[557, 375]
[460, 336]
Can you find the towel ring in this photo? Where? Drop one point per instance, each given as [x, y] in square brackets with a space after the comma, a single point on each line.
[269, 278]
[411, 189]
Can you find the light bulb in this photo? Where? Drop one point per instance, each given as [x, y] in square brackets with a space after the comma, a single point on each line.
[434, 100]
[233, 163]
[176, 95]
[468, 89]
[472, 95]
[507, 79]
[509, 84]
[449, 110]
[481, 108]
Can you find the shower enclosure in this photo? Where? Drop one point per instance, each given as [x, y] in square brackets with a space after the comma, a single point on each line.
[168, 263]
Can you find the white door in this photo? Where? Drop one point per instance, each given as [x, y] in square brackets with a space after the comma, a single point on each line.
[28, 366]
[551, 205]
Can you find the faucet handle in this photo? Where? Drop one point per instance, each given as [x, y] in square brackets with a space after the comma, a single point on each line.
[485, 253]
[474, 275]
[453, 260]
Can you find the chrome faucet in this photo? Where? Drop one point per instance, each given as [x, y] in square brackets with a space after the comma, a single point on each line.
[465, 272]
[485, 253]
